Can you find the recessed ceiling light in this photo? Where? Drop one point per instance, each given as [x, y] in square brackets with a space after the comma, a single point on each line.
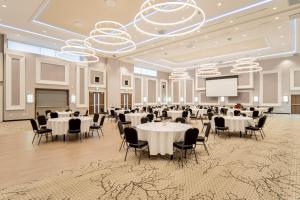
[274, 8]
[4, 6]
[281, 36]
[244, 35]
[231, 21]
[279, 27]
[237, 28]
[155, 28]
[219, 4]
[276, 18]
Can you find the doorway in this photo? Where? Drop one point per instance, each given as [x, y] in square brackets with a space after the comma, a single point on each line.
[96, 102]
[126, 100]
[295, 104]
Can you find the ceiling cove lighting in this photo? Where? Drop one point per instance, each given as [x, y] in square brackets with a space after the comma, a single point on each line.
[110, 37]
[246, 65]
[169, 15]
[75, 49]
[179, 74]
[208, 70]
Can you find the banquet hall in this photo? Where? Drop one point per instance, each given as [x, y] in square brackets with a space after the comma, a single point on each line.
[150, 99]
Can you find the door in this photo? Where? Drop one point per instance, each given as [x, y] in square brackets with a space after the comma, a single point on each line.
[126, 100]
[96, 102]
[295, 103]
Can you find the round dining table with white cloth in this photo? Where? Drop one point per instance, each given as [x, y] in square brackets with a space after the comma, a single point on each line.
[135, 118]
[236, 123]
[174, 113]
[202, 111]
[248, 113]
[61, 114]
[60, 126]
[162, 135]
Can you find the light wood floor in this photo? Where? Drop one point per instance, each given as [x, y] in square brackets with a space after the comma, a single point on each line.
[21, 161]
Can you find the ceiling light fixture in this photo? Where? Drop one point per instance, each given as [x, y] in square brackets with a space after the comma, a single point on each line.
[153, 10]
[110, 37]
[208, 70]
[246, 65]
[179, 74]
[78, 51]
[219, 4]
[4, 6]
[111, 3]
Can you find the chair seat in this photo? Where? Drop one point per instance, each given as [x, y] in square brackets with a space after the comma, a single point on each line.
[157, 120]
[167, 117]
[253, 128]
[193, 117]
[95, 126]
[201, 139]
[44, 130]
[140, 144]
[126, 122]
[74, 131]
[222, 128]
[180, 145]
[205, 123]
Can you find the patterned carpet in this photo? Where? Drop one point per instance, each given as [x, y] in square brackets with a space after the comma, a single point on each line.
[237, 168]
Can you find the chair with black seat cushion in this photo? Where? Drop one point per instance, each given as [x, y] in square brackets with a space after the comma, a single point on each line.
[255, 114]
[205, 138]
[220, 125]
[189, 143]
[122, 135]
[76, 114]
[259, 127]
[86, 113]
[270, 110]
[122, 118]
[180, 119]
[185, 114]
[191, 112]
[126, 112]
[53, 115]
[74, 128]
[205, 123]
[132, 141]
[132, 111]
[111, 115]
[252, 109]
[97, 126]
[39, 132]
[47, 112]
[42, 121]
[144, 120]
[157, 117]
[150, 117]
[195, 117]
[165, 115]
[236, 113]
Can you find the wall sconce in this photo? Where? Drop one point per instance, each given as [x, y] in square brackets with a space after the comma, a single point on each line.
[73, 99]
[196, 99]
[169, 99]
[222, 99]
[158, 99]
[181, 99]
[255, 99]
[285, 99]
[145, 99]
[29, 98]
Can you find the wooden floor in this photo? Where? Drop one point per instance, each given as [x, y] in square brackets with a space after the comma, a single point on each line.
[21, 161]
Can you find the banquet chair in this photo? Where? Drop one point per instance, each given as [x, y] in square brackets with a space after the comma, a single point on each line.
[132, 111]
[185, 114]
[95, 125]
[122, 118]
[204, 139]
[86, 113]
[180, 119]
[42, 121]
[144, 120]
[220, 125]
[126, 112]
[195, 117]
[255, 114]
[252, 109]
[270, 110]
[165, 115]
[236, 113]
[259, 127]
[76, 114]
[39, 132]
[189, 143]
[157, 117]
[132, 141]
[111, 115]
[122, 135]
[150, 117]
[53, 115]
[209, 117]
[47, 112]
[74, 128]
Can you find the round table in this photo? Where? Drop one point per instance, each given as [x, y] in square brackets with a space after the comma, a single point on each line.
[201, 111]
[248, 113]
[236, 123]
[162, 135]
[175, 114]
[135, 118]
[61, 114]
[60, 126]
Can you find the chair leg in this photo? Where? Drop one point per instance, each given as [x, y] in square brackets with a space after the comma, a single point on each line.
[205, 147]
[140, 156]
[40, 140]
[195, 156]
[149, 151]
[98, 134]
[262, 136]
[121, 144]
[135, 151]
[33, 138]
[126, 153]
[80, 137]
[181, 157]
[263, 132]
[101, 131]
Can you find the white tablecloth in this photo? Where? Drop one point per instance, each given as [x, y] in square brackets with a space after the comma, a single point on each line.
[135, 118]
[161, 136]
[174, 114]
[201, 111]
[60, 126]
[249, 113]
[61, 114]
[236, 123]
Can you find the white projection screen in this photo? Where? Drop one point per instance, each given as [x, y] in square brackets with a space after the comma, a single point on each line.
[225, 86]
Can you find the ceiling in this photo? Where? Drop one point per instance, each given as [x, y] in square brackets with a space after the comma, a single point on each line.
[233, 29]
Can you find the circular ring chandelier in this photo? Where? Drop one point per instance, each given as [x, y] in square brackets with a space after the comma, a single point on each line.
[179, 74]
[246, 65]
[152, 12]
[208, 70]
[77, 51]
[110, 37]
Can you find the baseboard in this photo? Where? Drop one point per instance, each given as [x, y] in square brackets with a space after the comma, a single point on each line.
[15, 120]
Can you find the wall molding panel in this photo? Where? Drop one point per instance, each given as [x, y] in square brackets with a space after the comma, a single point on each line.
[82, 92]
[163, 101]
[91, 76]
[272, 85]
[173, 92]
[248, 103]
[11, 69]
[293, 84]
[40, 62]
[187, 88]
[147, 91]
[141, 91]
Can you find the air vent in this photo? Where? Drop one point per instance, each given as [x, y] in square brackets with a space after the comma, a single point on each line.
[293, 2]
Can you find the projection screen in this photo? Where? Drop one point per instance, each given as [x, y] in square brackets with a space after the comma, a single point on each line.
[224, 86]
